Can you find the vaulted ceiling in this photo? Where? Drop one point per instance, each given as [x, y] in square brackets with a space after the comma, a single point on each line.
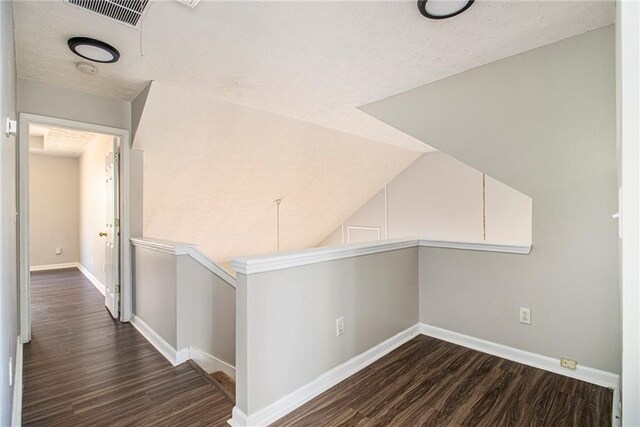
[313, 61]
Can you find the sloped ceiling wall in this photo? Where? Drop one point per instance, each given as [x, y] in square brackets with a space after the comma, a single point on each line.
[543, 122]
[212, 171]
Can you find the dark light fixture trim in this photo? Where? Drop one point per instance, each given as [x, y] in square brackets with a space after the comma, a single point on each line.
[422, 6]
[75, 42]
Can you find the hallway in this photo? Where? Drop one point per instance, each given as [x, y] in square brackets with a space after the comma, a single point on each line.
[84, 368]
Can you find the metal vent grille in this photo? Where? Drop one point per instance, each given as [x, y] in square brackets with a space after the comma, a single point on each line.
[128, 12]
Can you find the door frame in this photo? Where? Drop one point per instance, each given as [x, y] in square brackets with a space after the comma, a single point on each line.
[126, 294]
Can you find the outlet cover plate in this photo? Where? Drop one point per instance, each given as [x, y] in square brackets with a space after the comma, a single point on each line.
[525, 315]
[568, 363]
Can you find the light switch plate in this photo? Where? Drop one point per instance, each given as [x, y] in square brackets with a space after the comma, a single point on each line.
[340, 326]
[11, 127]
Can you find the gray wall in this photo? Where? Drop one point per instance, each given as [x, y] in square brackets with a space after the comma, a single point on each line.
[542, 122]
[185, 303]
[286, 320]
[8, 267]
[54, 209]
[206, 311]
[154, 295]
[54, 101]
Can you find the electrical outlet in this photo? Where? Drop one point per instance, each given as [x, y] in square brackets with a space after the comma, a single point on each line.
[568, 363]
[339, 326]
[58, 251]
[525, 315]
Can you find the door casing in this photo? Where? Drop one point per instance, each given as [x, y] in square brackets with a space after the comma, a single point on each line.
[22, 214]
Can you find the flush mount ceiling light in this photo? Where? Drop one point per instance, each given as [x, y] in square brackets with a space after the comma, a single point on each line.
[443, 9]
[93, 50]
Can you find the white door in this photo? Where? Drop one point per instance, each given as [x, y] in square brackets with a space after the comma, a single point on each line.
[112, 231]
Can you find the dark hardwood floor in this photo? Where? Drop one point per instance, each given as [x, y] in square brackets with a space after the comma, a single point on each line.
[429, 382]
[84, 368]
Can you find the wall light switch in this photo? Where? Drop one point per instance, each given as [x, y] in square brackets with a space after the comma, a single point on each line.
[58, 251]
[11, 127]
[10, 371]
[339, 326]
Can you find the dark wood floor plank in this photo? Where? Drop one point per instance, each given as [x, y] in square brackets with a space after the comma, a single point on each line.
[82, 367]
[428, 382]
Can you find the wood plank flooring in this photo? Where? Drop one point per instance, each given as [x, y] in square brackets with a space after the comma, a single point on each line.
[429, 382]
[84, 368]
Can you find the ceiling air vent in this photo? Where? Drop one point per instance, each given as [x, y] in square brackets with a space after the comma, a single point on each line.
[127, 12]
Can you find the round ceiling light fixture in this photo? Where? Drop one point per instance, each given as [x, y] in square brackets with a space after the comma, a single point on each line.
[93, 50]
[443, 9]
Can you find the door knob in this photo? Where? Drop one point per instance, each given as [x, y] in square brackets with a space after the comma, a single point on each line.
[102, 234]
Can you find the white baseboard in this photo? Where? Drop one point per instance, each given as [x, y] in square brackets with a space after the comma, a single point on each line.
[325, 381]
[99, 286]
[210, 363]
[16, 415]
[583, 373]
[171, 354]
[45, 267]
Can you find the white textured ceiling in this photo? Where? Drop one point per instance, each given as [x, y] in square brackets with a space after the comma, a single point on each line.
[314, 61]
[55, 141]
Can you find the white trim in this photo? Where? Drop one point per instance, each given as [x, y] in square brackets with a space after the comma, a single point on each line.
[164, 246]
[279, 261]
[477, 246]
[16, 415]
[210, 265]
[361, 227]
[386, 211]
[22, 172]
[171, 354]
[628, 103]
[179, 248]
[93, 279]
[182, 356]
[324, 382]
[584, 373]
[45, 267]
[210, 363]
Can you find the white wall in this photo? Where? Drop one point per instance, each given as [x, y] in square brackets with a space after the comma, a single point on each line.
[212, 171]
[286, 320]
[8, 262]
[54, 209]
[628, 92]
[544, 123]
[92, 206]
[440, 198]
